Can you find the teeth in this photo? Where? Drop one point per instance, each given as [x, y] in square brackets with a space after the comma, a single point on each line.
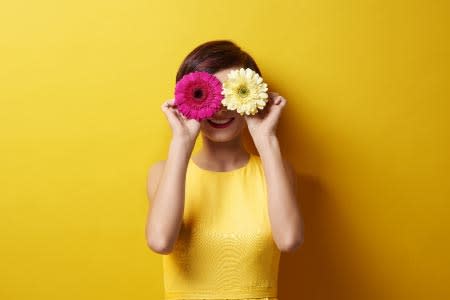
[218, 121]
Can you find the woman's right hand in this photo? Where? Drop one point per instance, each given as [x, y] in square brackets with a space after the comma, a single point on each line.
[182, 127]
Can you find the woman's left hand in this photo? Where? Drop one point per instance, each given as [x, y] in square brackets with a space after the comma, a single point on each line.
[264, 123]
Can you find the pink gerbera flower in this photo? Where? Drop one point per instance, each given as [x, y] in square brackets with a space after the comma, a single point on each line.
[198, 95]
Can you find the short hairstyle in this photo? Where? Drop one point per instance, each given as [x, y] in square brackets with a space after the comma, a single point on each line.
[213, 56]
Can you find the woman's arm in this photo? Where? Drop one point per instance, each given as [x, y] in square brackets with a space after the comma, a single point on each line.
[166, 188]
[166, 182]
[281, 180]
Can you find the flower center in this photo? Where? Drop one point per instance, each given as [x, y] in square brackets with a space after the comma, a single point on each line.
[243, 91]
[198, 94]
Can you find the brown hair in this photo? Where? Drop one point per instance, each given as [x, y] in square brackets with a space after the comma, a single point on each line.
[214, 56]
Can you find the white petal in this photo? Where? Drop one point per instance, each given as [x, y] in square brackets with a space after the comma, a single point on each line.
[248, 73]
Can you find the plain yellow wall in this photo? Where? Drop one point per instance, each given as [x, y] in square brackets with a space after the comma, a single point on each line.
[366, 126]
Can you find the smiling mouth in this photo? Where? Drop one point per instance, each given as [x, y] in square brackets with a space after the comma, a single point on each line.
[220, 123]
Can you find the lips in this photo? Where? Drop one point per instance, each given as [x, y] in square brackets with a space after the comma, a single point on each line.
[220, 123]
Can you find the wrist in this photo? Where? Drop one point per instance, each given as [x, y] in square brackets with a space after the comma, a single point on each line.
[268, 148]
[182, 144]
[265, 140]
[266, 143]
[182, 139]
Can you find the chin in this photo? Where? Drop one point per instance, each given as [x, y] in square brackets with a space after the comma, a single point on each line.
[221, 138]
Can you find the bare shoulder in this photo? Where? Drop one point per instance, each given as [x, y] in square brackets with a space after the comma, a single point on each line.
[153, 176]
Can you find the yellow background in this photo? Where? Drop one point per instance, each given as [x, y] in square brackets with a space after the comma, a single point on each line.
[366, 126]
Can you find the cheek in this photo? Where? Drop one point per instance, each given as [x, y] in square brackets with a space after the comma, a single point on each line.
[240, 121]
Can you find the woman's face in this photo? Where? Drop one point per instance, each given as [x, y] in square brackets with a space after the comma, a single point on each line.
[224, 125]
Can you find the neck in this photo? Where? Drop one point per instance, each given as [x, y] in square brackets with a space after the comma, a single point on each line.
[230, 153]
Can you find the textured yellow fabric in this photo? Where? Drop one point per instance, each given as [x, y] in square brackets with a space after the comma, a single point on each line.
[225, 248]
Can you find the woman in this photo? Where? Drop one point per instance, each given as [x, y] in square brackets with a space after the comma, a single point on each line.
[222, 216]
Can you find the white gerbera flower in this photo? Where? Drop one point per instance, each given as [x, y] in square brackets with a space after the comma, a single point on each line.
[244, 91]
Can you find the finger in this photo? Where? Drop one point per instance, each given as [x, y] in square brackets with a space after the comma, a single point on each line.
[169, 103]
[279, 100]
[180, 115]
[271, 103]
[275, 112]
[169, 110]
[165, 105]
[275, 109]
[266, 108]
[177, 113]
[166, 108]
[172, 116]
[273, 95]
[282, 102]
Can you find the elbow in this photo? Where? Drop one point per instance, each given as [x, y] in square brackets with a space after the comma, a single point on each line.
[292, 245]
[159, 246]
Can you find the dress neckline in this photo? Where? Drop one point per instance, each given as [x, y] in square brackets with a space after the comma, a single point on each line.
[223, 172]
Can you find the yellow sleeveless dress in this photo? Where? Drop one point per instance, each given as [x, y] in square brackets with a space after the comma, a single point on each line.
[225, 248]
